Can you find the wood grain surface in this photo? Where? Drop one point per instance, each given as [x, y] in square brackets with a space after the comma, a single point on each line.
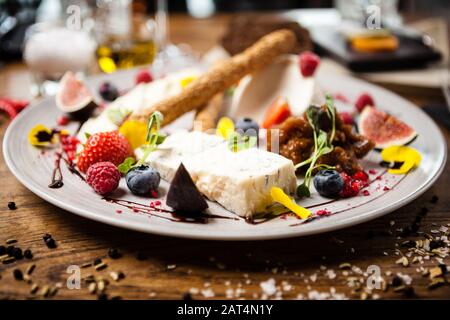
[168, 268]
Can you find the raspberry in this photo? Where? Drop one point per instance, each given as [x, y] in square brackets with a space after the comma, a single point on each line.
[360, 175]
[103, 177]
[346, 117]
[144, 76]
[351, 187]
[364, 100]
[308, 63]
[104, 146]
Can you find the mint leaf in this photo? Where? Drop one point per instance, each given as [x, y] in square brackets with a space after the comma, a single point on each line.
[126, 165]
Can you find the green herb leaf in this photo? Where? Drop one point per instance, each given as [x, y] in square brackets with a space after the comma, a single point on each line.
[238, 142]
[126, 165]
[322, 143]
[153, 137]
[87, 135]
[331, 114]
[160, 139]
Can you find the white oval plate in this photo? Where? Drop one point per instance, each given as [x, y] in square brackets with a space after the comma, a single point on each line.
[33, 169]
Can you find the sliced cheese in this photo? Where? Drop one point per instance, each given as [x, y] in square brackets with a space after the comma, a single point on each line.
[239, 181]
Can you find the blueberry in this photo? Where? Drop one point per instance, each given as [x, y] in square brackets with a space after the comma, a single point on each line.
[248, 126]
[108, 91]
[328, 183]
[142, 180]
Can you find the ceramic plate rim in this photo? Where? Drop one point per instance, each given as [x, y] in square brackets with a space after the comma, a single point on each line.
[344, 223]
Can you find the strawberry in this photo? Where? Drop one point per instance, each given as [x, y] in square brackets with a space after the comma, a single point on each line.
[104, 146]
[308, 63]
[364, 100]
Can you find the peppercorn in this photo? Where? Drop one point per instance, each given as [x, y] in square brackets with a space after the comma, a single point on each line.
[434, 199]
[10, 250]
[102, 296]
[46, 236]
[51, 243]
[187, 296]
[397, 281]
[28, 254]
[18, 275]
[415, 227]
[423, 211]
[12, 205]
[409, 292]
[113, 253]
[97, 261]
[434, 244]
[443, 268]
[17, 253]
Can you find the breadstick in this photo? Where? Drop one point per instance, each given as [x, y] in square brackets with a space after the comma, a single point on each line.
[222, 76]
[206, 118]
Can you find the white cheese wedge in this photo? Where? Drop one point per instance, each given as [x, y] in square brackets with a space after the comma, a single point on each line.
[177, 148]
[239, 181]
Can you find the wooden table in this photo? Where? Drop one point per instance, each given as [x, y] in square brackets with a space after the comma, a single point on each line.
[174, 267]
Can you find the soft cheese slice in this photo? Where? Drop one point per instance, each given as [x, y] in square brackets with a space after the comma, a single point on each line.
[141, 96]
[177, 148]
[241, 181]
[282, 78]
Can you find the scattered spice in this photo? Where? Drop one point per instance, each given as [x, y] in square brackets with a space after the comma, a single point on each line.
[30, 269]
[12, 205]
[18, 275]
[114, 253]
[28, 254]
[187, 296]
[101, 266]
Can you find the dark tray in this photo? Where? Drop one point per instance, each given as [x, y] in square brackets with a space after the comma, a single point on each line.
[411, 53]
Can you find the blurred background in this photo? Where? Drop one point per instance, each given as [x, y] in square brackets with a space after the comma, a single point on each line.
[398, 43]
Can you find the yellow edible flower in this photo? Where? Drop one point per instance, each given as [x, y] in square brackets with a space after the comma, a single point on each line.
[279, 196]
[41, 136]
[225, 127]
[187, 80]
[410, 157]
[135, 132]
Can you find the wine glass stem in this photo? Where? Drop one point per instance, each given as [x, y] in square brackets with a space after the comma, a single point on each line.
[161, 24]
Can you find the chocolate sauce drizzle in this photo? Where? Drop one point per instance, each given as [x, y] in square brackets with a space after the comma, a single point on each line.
[57, 177]
[200, 218]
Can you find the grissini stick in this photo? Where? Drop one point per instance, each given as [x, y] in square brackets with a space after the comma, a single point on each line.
[206, 118]
[221, 77]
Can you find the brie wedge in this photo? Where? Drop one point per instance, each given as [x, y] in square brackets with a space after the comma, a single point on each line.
[239, 181]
